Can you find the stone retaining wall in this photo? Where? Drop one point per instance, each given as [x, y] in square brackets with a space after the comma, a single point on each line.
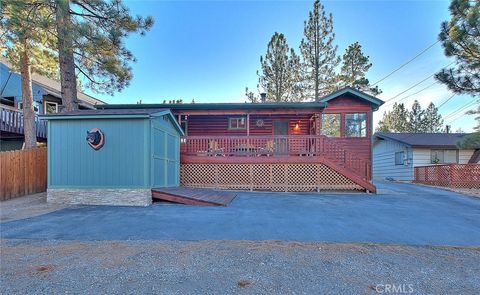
[118, 197]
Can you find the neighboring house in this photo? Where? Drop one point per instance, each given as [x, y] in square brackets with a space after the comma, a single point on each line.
[47, 100]
[305, 146]
[396, 154]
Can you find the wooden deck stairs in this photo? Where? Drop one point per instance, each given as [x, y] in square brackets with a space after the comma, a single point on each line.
[193, 196]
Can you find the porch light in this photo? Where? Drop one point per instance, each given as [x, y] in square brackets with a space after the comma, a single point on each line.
[297, 126]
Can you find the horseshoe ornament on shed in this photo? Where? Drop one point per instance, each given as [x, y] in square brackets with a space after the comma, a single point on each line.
[95, 138]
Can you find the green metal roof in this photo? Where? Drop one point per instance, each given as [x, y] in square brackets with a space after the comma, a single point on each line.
[129, 113]
[252, 106]
[367, 97]
[219, 106]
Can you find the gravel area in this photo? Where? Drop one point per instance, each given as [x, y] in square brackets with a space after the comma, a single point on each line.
[226, 267]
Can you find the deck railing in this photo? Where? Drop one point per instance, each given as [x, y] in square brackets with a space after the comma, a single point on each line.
[11, 120]
[275, 146]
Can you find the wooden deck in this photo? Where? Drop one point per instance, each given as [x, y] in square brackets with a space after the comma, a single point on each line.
[194, 196]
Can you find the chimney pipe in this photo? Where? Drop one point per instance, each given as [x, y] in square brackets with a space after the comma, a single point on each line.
[447, 128]
[263, 97]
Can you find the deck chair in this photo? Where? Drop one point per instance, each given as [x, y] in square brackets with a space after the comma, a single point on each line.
[214, 150]
[267, 150]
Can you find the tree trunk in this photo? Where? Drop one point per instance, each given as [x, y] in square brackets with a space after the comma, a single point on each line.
[29, 128]
[66, 60]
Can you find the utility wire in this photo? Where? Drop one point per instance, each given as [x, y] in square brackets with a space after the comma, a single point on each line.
[448, 99]
[415, 85]
[411, 87]
[421, 90]
[467, 105]
[406, 63]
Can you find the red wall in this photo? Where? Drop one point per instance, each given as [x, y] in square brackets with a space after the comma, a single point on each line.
[218, 125]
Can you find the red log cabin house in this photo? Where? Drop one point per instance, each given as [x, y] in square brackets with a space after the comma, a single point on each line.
[304, 146]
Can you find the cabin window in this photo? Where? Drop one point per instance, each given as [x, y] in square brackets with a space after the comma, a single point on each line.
[237, 123]
[356, 125]
[444, 156]
[9, 101]
[399, 157]
[331, 125]
[51, 107]
[36, 107]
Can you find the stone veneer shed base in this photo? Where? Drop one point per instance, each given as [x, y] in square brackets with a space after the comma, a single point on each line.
[117, 197]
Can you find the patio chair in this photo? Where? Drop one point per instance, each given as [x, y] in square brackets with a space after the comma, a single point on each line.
[267, 150]
[214, 150]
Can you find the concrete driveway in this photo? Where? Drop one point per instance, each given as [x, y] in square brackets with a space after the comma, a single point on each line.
[399, 214]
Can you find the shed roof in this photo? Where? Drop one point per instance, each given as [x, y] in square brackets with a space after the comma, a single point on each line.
[106, 112]
[114, 113]
[427, 140]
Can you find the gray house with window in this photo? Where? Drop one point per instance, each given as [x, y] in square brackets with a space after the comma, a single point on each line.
[396, 154]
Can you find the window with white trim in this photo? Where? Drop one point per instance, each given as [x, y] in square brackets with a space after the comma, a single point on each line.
[237, 123]
[444, 156]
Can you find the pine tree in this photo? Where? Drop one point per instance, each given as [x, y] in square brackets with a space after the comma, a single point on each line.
[23, 40]
[355, 65]
[433, 121]
[416, 123]
[90, 40]
[460, 38]
[395, 120]
[279, 69]
[319, 54]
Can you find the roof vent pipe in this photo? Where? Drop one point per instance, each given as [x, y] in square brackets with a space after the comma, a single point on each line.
[263, 97]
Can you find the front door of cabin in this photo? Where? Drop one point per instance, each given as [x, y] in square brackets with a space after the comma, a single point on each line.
[280, 129]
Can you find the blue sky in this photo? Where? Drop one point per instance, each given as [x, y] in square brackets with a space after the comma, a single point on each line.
[209, 50]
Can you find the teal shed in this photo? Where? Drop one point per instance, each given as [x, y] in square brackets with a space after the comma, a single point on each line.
[112, 157]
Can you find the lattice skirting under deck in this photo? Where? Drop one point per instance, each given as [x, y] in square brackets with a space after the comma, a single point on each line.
[267, 177]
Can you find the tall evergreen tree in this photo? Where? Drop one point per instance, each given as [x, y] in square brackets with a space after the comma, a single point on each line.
[279, 68]
[319, 54]
[416, 121]
[395, 120]
[91, 37]
[24, 42]
[460, 38]
[355, 65]
[433, 121]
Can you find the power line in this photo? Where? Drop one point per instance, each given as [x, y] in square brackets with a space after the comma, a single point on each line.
[461, 116]
[423, 89]
[411, 87]
[467, 105]
[443, 103]
[416, 84]
[406, 63]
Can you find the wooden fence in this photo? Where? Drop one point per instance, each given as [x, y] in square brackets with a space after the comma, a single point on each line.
[23, 172]
[451, 175]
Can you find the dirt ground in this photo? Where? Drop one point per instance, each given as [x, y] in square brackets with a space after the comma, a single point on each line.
[228, 267]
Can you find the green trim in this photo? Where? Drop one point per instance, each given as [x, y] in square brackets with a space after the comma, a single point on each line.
[218, 106]
[147, 172]
[92, 117]
[360, 94]
[49, 155]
